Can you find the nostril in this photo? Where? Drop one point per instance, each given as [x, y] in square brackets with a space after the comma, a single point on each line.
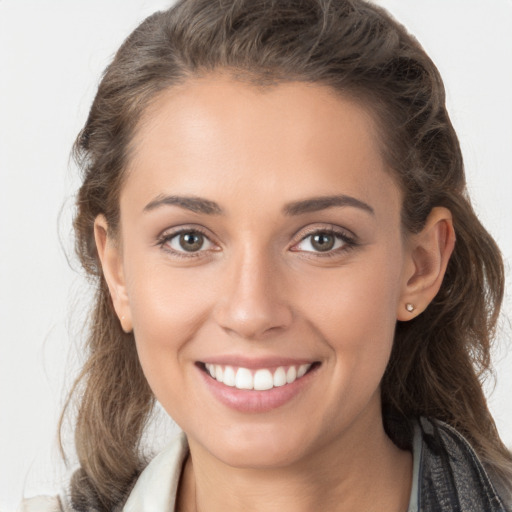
[252, 309]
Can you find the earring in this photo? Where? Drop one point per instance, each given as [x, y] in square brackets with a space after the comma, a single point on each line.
[410, 307]
[121, 321]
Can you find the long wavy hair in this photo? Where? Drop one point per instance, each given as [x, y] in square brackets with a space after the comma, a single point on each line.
[439, 358]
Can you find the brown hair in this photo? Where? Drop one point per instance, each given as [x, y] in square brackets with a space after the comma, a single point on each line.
[440, 357]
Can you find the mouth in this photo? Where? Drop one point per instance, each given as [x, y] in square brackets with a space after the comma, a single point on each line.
[260, 379]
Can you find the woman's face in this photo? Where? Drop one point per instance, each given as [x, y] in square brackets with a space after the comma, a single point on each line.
[261, 238]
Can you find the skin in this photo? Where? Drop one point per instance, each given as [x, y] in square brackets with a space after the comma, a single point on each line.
[259, 288]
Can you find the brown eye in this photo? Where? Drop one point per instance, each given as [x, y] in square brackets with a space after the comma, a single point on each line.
[191, 242]
[188, 242]
[323, 241]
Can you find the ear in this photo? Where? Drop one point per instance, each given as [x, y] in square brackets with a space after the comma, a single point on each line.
[428, 253]
[111, 260]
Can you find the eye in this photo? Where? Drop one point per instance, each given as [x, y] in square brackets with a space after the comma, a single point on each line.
[189, 241]
[324, 241]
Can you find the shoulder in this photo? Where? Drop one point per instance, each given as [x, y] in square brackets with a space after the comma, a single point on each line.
[42, 504]
[155, 488]
[452, 476]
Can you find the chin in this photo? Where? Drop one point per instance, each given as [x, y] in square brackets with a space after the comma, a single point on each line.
[257, 446]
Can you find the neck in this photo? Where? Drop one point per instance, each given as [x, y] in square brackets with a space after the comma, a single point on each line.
[362, 470]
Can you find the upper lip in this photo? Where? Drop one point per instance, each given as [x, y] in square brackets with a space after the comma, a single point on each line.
[256, 362]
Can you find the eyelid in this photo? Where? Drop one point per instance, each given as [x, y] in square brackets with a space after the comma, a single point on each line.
[324, 228]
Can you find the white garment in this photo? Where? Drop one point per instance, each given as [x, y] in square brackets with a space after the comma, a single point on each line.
[157, 486]
[155, 489]
[41, 504]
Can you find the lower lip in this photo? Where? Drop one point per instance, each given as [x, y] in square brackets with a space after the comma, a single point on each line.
[252, 401]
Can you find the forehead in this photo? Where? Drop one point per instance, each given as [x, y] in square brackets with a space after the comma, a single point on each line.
[218, 136]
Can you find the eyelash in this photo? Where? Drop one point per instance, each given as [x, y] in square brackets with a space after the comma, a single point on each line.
[349, 242]
[167, 237]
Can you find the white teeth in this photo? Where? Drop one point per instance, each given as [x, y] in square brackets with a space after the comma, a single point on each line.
[244, 379]
[279, 377]
[229, 376]
[261, 380]
[291, 374]
[303, 368]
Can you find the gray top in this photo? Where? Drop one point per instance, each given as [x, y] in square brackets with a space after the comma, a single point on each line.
[416, 461]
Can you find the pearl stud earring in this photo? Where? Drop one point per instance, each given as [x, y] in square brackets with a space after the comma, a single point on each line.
[410, 307]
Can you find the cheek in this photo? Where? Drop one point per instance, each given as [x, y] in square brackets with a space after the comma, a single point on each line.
[359, 297]
[168, 307]
[354, 311]
[167, 302]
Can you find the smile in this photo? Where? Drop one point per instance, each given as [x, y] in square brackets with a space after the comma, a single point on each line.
[257, 386]
[258, 380]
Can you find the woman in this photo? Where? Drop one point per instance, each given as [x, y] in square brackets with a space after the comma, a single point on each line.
[274, 208]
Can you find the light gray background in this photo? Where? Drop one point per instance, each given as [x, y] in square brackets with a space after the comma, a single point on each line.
[51, 56]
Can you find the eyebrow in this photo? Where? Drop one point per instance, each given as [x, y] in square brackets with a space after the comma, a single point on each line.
[192, 203]
[207, 207]
[316, 204]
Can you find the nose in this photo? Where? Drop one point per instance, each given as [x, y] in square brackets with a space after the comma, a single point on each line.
[253, 305]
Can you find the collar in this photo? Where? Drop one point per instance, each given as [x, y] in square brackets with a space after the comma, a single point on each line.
[157, 485]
